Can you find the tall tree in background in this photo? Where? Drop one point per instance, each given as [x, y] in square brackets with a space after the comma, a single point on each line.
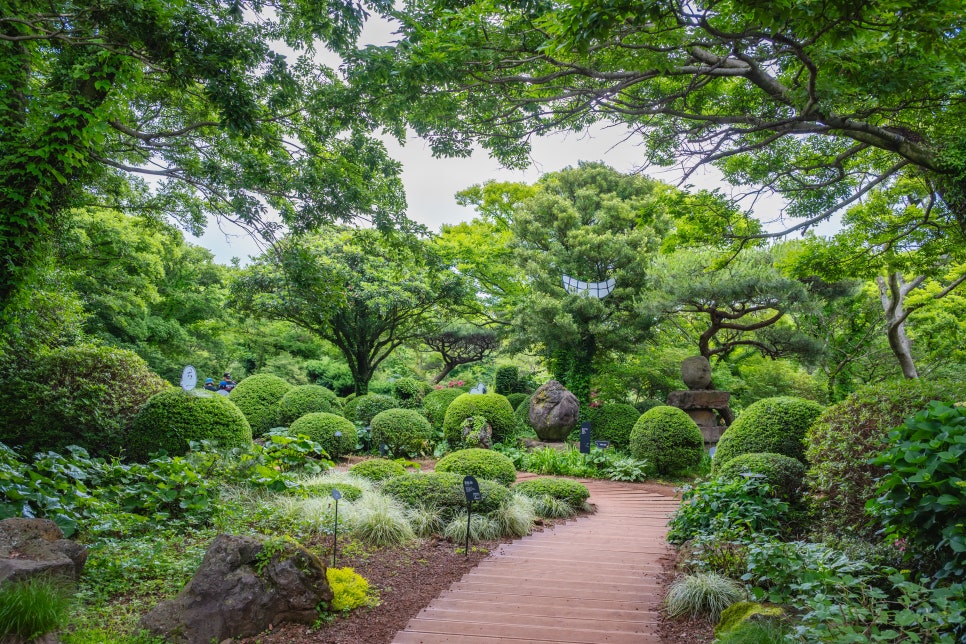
[354, 288]
[461, 346]
[193, 95]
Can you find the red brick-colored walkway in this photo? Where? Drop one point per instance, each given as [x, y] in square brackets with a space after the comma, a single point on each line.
[591, 580]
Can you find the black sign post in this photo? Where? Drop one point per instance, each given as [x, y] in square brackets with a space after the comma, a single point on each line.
[472, 491]
[335, 530]
[585, 438]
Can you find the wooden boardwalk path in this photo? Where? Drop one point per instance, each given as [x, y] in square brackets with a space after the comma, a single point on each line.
[589, 581]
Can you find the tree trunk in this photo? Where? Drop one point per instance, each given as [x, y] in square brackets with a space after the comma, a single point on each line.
[892, 293]
[447, 368]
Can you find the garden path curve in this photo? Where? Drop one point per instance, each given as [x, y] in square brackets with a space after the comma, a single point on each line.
[588, 581]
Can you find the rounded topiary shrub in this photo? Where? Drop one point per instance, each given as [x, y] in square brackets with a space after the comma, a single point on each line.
[405, 432]
[378, 469]
[480, 463]
[368, 406]
[304, 399]
[614, 422]
[494, 407]
[516, 399]
[648, 403]
[783, 473]
[522, 413]
[322, 427]
[437, 402]
[574, 493]
[348, 492]
[258, 397]
[84, 395]
[408, 391]
[773, 425]
[838, 446]
[668, 440]
[444, 490]
[172, 418]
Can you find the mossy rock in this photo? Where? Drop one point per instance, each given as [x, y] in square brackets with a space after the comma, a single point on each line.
[572, 492]
[404, 432]
[479, 463]
[668, 440]
[258, 397]
[378, 469]
[772, 425]
[302, 400]
[322, 428]
[444, 490]
[171, 419]
[613, 422]
[437, 402]
[494, 407]
[783, 473]
[742, 612]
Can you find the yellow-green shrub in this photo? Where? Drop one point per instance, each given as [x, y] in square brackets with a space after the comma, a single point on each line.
[349, 588]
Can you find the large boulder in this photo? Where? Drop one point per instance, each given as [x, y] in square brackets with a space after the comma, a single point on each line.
[241, 588]
[553, 411]
[35, 547]
[696, 372]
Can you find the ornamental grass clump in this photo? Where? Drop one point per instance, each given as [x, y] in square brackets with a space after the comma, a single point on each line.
[425, 520]
[705, 594]
[573, 493]
[482, 528]
[30, 609]
[550, 507]
[379, 520]
[516, 518]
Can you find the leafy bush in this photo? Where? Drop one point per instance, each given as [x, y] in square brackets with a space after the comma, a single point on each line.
[444, 490]
[574, 493]
[625, 468]
[522, 414]
[436, 403]
[614, 422]
[405, 432]
[322, 427]
[258, 397]
[668, 440]
[480, 463]
[349, 588]
[516, 399]
[569, 462]
[923, 494]
[705, 593]
[494, 407]
[713, 553]
[783, 473]
[773, 425]
[84, 395]
[377, 469]
[368, 406]
[728, 509]
[32, 608]
[409, 392]
[648, 404]
[302, 400]
[840, 445]
[507, 380]
[332, 374]
[348, 492]
[170, 420]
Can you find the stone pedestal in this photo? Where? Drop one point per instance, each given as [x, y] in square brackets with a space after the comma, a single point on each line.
[706, 407]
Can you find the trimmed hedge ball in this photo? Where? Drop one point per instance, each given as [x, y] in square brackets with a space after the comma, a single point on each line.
[481, 463]
[368, 406]
[437, 402]
[614, 422]
[444, 490]
[305, 399]
[522, 413]
[773, 425]
[258, 397]
[784, 473]
[668, 440]
[574, 493]
[409, 392]
[516, 399]
[494, 407]
[405, 432]
[172, 418]
[318, 490]
[378, 469]
[321, 427]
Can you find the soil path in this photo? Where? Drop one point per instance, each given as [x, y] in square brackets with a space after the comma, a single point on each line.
[589, 581]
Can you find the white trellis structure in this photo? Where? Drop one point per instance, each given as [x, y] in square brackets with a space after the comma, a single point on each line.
[598, 290]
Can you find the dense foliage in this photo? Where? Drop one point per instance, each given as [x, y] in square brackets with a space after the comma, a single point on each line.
[436, 403]
[377, 469]
[480, 463]
[613, 422]
[493, 407]
[444, 490]
[302, 400]
[783, 474]
[409, 392]
[772, 425]
[574, 493]
[369, 406]
[86, 395]
[171, 420]
[322, 428]
[258, 398]
[404, 432]
[739, 507]
[840, 445]
[668, 440]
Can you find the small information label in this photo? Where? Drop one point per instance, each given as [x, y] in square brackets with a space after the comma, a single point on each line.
[471, 489]
[585, 438]
[336, 494]
[189, 378]
[602, 444]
